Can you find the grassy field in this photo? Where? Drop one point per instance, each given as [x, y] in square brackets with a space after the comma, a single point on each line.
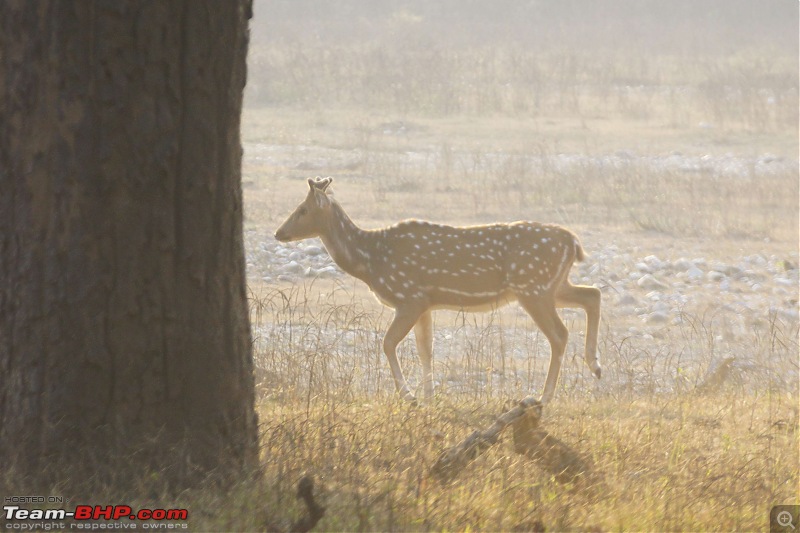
[658, 462]
[681, 151]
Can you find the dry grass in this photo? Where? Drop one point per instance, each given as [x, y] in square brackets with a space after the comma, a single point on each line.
[661, 463]
[750, 90]
[663, 455]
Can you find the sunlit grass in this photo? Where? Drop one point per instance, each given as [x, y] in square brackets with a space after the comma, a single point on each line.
[664, 453]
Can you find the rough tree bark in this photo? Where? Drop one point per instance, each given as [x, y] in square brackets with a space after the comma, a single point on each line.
[123, 312]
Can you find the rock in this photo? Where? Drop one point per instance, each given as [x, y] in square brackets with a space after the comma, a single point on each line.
[715, 276]
[656, 317]
[328, 272]
[738, 271]
[627, 299]
[728, 270]
[649, 282]
[654, 262]
[791, 315]
[313, 250]
[733, 271]
[293, 267]
[682, 264]
[754, 275]
[694, 273]
[661, 307]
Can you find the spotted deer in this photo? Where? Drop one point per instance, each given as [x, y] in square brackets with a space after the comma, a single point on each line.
[416, 267]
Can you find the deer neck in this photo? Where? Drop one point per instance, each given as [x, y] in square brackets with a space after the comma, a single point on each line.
[348, 245]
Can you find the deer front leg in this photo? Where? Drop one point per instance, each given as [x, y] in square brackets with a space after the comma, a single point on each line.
[423, 331]
[543, 312]
[404, 320]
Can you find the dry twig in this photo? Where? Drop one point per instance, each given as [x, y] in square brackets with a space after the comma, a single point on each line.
[305, 490]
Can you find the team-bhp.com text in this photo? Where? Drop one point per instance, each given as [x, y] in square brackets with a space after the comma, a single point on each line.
[93, 517]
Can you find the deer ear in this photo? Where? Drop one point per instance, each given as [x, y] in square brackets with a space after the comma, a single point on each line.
[319, 183]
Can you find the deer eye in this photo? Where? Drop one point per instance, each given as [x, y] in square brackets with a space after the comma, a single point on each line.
[302, 211]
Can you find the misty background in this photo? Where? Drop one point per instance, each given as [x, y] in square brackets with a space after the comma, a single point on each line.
[529, 57]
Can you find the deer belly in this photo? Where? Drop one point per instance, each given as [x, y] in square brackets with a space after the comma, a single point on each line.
[472, 302]
[440, 297]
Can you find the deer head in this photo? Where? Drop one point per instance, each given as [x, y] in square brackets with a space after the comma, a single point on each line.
[309, 218]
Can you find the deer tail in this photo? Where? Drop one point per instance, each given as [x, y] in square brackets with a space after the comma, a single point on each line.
[580, 255]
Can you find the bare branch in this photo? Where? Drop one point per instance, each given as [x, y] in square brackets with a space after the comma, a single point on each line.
[305, 490]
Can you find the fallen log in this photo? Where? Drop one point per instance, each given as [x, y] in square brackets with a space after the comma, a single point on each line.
[454, 459]
[551, 454]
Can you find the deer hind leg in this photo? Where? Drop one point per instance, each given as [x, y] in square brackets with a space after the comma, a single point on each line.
[588, 299]
[543, 312]
[404, 320]
[423, 332]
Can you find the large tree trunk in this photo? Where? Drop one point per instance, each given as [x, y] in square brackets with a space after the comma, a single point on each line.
[123, 312]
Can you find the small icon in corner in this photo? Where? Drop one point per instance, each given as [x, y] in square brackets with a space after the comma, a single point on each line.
[783, 518]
